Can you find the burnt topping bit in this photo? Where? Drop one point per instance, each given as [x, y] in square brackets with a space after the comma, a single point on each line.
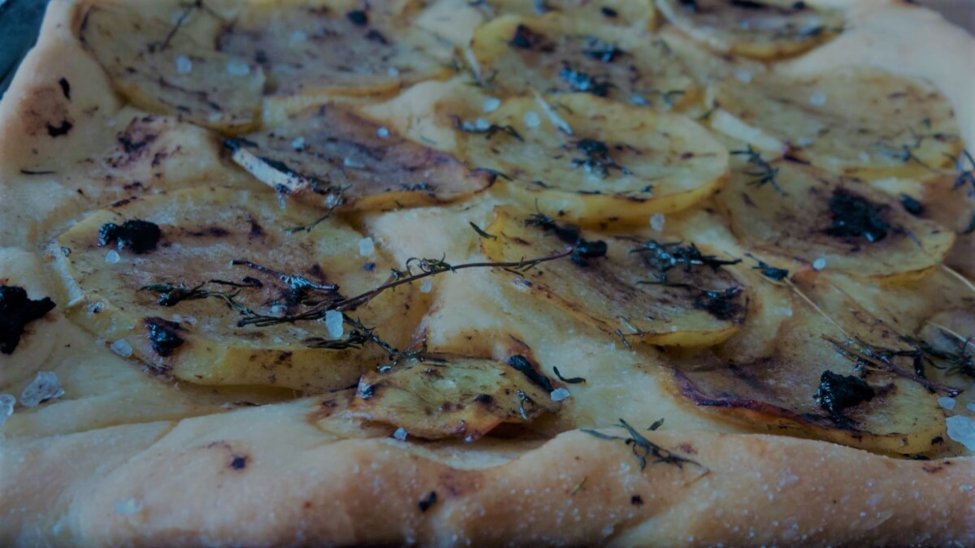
[58, 130]
[597, 159]
[238, 462]
[912, 205]
[771, 272]
[16, 311]
[582, 82]
[136, 235]
[65, 87]
[723, 305]
[358, 17]
[601, 51]
[855, 216]
[427, 501]
[748, 4]
[581, 250]
[163, 337]
[526, 38]
[524, 366]
[608, 12]
[838, 392]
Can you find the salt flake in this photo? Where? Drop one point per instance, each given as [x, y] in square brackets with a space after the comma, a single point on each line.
[400, 434]
[183, 64]
[7, 402]
[962, 430]
[236, 67]
[122, 348]
[44, 387]
[560, 394]
[333, 324]
[366, 247]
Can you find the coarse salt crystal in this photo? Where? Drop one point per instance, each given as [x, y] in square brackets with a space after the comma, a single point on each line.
[183, 64]
[366, 247]
[491, 104]
[298, 143]
[481, 124]
[298, 36]
[236, 67]
[532, 120]
[657, 221]
[127, 507]
[382, 133]
[44, 387]
[639, 100]
[817, 99]
[122, 348]
[946, 402]
[333, 324]
[962, 430]
[112, 257]
[400, 434]
[819, 263]
[743, 75]
[352, 163]
[560, 394]
[426, 286]
[7, 402]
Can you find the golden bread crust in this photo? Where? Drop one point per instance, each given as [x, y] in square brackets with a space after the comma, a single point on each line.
[274, 475]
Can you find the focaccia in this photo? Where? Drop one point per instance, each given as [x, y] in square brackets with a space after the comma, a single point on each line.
[446, 272]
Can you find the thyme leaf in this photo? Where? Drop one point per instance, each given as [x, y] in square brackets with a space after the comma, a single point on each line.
[570, 380]
[762, 171]
[661, 258]
[643, 448]
[481, 232]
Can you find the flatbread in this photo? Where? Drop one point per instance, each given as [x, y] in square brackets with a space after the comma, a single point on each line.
[149, 451]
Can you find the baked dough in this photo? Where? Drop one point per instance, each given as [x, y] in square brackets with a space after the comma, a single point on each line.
[126, 456]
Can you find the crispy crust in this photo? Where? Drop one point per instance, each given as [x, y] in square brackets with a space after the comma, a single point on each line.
[269, 476]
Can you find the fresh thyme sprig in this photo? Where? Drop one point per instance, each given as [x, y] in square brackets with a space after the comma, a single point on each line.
[643, 448]
[865, 355]
[762, 171]
[661, 258]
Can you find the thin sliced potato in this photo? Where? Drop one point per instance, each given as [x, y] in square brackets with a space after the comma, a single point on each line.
[596, 161]
[817, 219]
[862, 122]
[168, 64]
[626, 13]
[140, 297]
[452, 396]
[329, 151]
[767, 29]
[331, 48]
[639, 291]
[554, 53]
[833, 372]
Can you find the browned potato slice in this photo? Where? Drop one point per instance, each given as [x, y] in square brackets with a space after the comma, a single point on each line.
[857, 122]
[805, 215]
[452, 396]
[765, 29]
[836, 374]
[148, 290]
[654, 292]
[555, 53]
[634, 13]
[619, 164]
[337, 47]
[330, 151]
[949, 337]
[169, 64]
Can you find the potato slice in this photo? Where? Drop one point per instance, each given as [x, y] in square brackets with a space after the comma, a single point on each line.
[331, 48]
[445, 396]
[653, 292]
[160, 56]
[949, 337]
[801, 214]
[619, 163]
[862, 122]
[628, 13]
[555, 53]
[835, 373]
[177, 243]
[330, 151]
[765, 29]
